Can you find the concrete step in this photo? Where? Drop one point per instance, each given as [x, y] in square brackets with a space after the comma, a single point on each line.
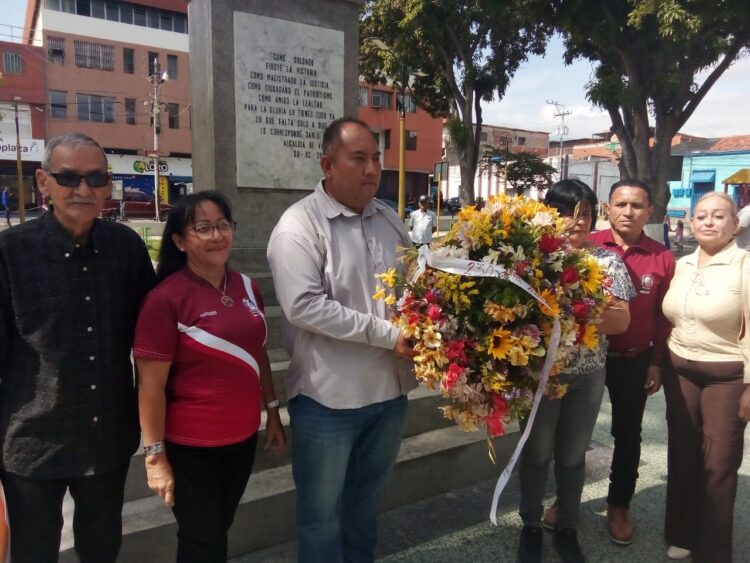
[423, 415]
[429, 463]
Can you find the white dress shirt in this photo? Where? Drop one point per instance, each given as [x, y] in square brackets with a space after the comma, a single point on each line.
[421, 224]
[324, 258]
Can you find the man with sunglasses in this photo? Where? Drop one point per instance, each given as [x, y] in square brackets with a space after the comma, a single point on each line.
[70, 288]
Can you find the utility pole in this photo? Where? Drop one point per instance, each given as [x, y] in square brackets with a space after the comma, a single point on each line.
[156, 79]
[562, 130]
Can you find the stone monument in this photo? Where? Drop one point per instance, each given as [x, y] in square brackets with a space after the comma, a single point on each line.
[267, 78]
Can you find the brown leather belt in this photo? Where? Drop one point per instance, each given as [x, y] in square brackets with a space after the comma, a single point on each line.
[630, 354]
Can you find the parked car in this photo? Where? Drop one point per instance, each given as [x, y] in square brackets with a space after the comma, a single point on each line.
[135, 204]
[453, 204]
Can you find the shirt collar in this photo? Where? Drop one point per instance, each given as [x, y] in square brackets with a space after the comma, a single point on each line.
[609, 240]
[332, 208]
[64, 240]
[725, 256]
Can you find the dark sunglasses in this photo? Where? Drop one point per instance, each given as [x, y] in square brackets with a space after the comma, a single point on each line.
[71, 179]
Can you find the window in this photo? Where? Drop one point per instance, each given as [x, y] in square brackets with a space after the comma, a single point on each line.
[483, 136]
[126, 13]
[180, 23]
[364, 96]
[68, 6]
[97, 9]
[410, 143]
[83, 7]
[58, 104]
[139, 15]
[387, 139]
[128, 60]
[94, 55]
[520, 141]
[172, 66]
[96, 108]
[130, 111]
[56, 50]
[174, 116]
[153, 62]
[12, 62]
[113, 12]
[381, 99]
[153, 18]
[165, 21]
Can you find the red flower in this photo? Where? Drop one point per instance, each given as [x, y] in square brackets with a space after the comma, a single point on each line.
[548, 243]
[452, 375]
[430, 296]
[455, 350]
[495, 419]
[569, 275]
[433, 311]
[581, 310]
[521, 267]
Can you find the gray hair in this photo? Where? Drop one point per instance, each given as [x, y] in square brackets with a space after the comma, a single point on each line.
[72, 139]
[729, 199]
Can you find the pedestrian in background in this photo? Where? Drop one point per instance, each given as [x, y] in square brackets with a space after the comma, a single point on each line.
[422, 223]
[203, 373]
[7, 195]
[347, 388]
[70, 289]
[679, 233]
[708, 404]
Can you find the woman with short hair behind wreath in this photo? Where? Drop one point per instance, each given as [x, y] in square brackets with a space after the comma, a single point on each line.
[704, 388]
[203, 372]
[562, 428]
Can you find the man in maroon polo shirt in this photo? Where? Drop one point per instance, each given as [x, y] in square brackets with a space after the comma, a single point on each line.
[635, 357]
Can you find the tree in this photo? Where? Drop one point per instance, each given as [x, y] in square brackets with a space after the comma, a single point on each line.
[468, 51]
[649, 53]
[525, 170]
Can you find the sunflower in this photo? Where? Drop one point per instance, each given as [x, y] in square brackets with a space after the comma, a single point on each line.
[499, 343]
[594, 279]
[551, 307]
[590, 336]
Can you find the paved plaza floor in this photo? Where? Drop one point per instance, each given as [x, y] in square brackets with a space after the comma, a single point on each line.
[455, 527]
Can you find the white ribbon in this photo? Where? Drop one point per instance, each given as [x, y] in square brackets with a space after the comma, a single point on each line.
[474, 268]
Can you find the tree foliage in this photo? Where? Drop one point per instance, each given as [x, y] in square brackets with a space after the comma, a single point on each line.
[525, 170]
[648, 55]
[468, 51]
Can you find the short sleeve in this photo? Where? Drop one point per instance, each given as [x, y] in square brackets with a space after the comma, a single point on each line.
[622, 285]
[156, 333]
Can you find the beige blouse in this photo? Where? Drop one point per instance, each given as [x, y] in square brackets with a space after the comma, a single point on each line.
[703, 304]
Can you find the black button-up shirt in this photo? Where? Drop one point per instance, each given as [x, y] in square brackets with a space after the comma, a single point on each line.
[68, 405]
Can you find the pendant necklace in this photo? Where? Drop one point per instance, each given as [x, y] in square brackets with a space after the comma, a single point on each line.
[226, 300]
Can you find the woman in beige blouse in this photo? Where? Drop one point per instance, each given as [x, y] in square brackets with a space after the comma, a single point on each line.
[705, 389]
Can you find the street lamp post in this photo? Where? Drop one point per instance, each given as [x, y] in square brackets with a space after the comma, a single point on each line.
[156, 80]
[19, 172]
[402, 146]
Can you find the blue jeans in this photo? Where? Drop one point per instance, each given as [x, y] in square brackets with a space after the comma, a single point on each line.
[341, 459]
[562, 429]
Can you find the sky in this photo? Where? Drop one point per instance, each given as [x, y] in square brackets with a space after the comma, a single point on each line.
[724, 111]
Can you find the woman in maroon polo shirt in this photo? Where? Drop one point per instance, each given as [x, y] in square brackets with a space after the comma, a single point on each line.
[203, 372]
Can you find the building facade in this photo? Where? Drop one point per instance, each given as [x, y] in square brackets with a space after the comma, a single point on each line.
[105, 60]
[23, 102]
[490, 181]
[378, 107]
[706, 163]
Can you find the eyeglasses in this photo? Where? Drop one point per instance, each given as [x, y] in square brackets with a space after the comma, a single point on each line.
[73, 179]
[205, 231]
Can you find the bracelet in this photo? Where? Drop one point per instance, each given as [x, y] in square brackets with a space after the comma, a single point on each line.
[273, 404]
[154, 449]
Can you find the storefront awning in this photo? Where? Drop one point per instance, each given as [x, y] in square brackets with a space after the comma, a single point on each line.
[703, 176]
[742, 176]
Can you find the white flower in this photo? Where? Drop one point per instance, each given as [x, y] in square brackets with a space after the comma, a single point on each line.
[543, 219]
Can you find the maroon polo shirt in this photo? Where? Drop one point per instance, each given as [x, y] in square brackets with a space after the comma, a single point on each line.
[651, 267]
[213, 390]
